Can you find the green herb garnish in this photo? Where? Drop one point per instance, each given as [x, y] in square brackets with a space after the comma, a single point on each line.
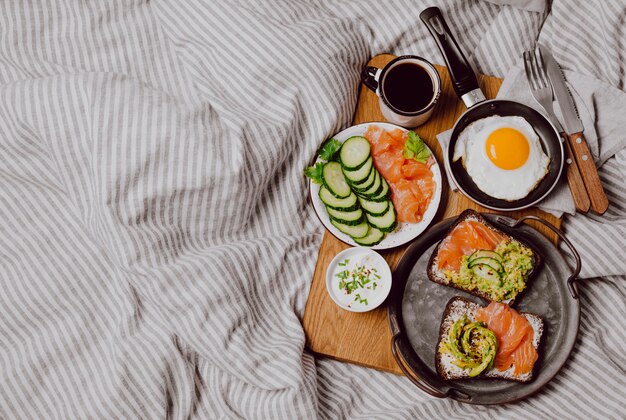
[328, 153]
[315, 172]
[414, 148]
[360, 277]
[330, 149]
[358, 298]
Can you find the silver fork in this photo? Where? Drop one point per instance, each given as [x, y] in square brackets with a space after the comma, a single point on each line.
[540, 85]
[541, 89]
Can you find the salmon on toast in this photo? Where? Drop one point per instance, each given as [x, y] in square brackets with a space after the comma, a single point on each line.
[478, 258]
[494, 341]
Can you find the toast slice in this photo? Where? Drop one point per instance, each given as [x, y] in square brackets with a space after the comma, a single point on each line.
[438, 275]
[456, 308]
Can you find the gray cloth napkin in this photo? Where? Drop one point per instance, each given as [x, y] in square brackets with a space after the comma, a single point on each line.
[596, 102]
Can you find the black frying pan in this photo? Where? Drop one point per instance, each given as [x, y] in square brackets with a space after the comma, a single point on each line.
[416, 305]
[466, 87]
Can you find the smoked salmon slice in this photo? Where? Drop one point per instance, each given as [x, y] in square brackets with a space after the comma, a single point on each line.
[389, 164]
[515, 337]
[466, 237]
[414, 169]
[411, 182]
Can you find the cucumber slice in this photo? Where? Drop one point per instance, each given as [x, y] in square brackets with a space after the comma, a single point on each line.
[375, 208]
[345, 204]
[355, 232]
[375, 189]
[491, 262]
[487, 254]
[363, 185]
[333, 179]
[488, 273]
[352, 218]
[387, 222]
[383, 195]
[354, 152]
[373, 237]
[361, 174]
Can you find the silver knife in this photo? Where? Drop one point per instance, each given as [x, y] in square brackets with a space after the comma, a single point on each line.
[571, 121]
[574, 130]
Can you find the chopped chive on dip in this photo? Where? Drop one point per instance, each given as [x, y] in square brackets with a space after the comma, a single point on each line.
[357, 281]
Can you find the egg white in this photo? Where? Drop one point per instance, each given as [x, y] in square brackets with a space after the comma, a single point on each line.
[496, 182]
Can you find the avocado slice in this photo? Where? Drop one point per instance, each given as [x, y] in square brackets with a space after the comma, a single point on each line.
[464, 358]
[472, 345]
[490, 347]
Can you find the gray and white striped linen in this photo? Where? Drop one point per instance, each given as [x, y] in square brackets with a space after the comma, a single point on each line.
[157, 246]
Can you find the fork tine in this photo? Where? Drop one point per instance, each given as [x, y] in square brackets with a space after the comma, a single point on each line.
[536, 73]
[527, 67]
[541, 66]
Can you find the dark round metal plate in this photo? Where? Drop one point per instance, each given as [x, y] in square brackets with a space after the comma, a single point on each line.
[416, 307]
[548, 136]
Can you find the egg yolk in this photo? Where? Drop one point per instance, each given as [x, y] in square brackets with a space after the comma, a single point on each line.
[507, 148]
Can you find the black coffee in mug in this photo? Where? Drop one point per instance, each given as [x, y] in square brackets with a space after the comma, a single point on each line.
[408, 87]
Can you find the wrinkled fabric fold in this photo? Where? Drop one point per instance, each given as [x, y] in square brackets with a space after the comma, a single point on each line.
[157, 244]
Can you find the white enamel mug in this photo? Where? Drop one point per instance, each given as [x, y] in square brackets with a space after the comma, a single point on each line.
[374, 78]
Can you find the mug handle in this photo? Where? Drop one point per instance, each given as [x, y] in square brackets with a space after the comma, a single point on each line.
[370, 76]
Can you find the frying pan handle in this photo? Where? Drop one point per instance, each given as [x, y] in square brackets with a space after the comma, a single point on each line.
[462, 75]
[572, 278]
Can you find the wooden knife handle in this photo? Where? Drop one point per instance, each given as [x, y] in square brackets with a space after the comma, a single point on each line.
[589, 172]
[575, 180]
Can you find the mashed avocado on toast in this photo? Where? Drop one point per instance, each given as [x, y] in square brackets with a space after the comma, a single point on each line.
[502, 274]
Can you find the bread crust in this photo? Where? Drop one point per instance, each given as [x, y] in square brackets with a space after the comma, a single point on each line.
[435, 276]
[443, 330]
[459, 303]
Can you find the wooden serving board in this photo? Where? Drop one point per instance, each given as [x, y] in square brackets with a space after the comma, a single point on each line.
[364, 338]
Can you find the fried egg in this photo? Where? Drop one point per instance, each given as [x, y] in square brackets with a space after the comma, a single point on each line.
[503, 156]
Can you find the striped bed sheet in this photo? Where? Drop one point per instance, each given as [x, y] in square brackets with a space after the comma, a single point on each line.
[156, 242]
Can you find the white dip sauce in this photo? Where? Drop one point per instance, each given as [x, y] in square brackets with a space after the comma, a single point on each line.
[359, 281]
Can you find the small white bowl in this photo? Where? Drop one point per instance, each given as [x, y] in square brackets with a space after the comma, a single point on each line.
[374, 300]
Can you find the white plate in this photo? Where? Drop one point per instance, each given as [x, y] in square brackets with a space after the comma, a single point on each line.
[405, 232]
[385, 278]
